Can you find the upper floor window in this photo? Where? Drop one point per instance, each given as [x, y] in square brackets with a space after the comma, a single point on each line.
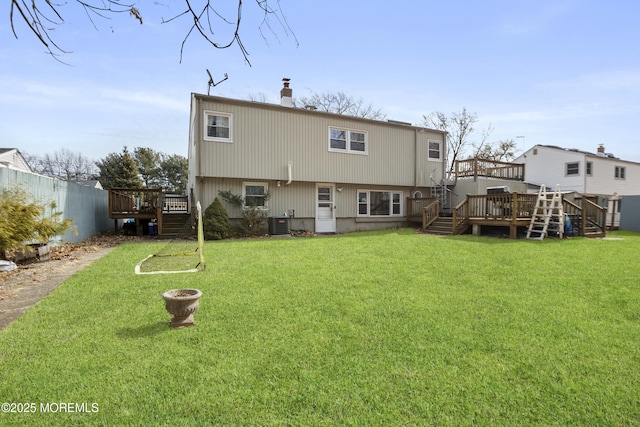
[379, 203]
[619, 172]
[573, 168]
[255, 194]
[218, 126]
[348, 141]
[589, 169]
[434, 150]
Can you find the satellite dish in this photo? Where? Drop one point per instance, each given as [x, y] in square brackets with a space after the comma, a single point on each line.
[212, 83]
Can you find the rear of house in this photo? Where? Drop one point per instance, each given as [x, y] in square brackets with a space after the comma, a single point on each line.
[326, 172]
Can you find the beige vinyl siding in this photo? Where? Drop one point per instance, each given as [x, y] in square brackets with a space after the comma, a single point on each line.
[299, 197]
[266, 138]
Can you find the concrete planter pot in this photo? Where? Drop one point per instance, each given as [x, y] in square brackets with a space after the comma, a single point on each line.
[182, 304]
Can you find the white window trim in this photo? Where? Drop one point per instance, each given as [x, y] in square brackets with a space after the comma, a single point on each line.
[434, 159]
[244, 194]
[368, 214]
[617, 175]
[348, 142]
[588, 169]
[208, 113]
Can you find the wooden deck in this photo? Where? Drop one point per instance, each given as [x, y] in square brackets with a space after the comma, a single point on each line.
[489, 168]
[144, 205]
[510, 210]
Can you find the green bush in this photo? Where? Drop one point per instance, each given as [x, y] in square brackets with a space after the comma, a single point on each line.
[215, 222]
[22, 220]
[253, 218]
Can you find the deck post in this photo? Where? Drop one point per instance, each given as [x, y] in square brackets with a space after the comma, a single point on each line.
[513, 230]
[159, 218]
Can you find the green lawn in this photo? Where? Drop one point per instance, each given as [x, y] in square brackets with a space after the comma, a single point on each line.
[380, 328]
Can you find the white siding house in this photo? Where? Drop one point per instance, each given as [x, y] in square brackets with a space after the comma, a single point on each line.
[326, 172]
[12, 158]
[598, 175]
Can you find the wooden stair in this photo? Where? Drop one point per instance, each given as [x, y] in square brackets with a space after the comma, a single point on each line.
[173, 224]
[443, 226]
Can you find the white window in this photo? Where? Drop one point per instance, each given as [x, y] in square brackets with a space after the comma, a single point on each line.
[573, 168]
[254, 194]
[589, 168]
[434, 150]
[348, 141]
[218, 126]
[377, 203]
[619, 172]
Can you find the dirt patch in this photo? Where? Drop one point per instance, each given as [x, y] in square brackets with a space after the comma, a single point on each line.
[29, 283]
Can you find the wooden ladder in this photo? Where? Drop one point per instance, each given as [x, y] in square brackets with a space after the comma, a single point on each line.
[547, 215]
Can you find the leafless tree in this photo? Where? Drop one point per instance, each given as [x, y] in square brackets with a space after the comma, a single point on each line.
[42, 17]
[340, 103]
[501, 151]
[65, 165]
[459, 127]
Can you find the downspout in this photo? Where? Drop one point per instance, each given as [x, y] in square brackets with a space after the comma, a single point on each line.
[415, 159]
[584, 169]
[195, 104]
[289, 174]
[445, 161]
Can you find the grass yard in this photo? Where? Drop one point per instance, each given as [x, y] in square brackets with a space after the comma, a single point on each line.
[379, 328]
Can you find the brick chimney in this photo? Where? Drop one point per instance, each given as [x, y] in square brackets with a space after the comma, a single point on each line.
[286, 94]
[601, 150]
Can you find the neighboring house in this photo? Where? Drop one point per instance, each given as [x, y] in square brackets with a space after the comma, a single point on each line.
[326, 172]
[93, 183]
[594, 175]
[12, 159]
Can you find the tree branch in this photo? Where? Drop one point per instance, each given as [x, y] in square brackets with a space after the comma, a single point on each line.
[41, 23]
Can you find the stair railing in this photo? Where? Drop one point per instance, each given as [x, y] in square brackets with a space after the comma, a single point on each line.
[430, 213]
[595, 216]
[460, 216]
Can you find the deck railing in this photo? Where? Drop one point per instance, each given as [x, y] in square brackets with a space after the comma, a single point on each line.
[173, 203]
[501, 206]
[489, 168]
[430, 213]
[588, 219]
[513, 210]
[595, 217]
[126, 201]
[460, 216]
[415, 207]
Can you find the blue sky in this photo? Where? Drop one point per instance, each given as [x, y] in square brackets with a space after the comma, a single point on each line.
[559, 72]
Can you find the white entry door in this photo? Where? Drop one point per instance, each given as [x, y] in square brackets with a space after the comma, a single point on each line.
[325, 208]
